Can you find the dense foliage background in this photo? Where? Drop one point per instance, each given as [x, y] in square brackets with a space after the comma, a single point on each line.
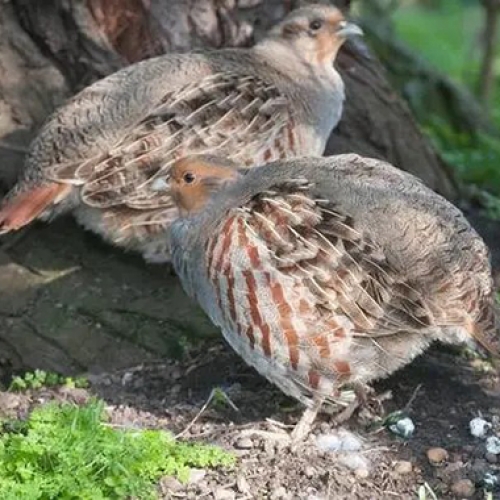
[453, 45]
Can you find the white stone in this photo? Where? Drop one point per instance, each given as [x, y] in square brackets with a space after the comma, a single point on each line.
[340, 441]
[479, 427]
[404, 427]
[493, 445]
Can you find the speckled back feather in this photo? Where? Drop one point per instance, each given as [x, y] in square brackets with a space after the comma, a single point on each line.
[244, 118]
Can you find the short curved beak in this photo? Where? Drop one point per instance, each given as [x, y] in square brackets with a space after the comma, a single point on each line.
[348, 30]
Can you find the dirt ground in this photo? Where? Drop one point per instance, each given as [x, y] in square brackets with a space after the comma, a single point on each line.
[70, 304]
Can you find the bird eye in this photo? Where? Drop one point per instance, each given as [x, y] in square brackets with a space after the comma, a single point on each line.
[189, 177]
[316, 24]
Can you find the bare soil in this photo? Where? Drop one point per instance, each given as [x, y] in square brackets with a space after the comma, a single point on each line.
[71, 304]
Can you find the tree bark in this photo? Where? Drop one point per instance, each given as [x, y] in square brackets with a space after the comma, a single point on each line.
[79, 41]
[70, 303]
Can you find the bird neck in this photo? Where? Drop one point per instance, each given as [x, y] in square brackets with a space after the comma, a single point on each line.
[290, 61]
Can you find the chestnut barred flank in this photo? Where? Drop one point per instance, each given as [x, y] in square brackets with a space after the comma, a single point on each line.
[323, 272]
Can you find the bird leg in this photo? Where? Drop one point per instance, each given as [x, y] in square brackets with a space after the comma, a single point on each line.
[304, 425]
[364, 398]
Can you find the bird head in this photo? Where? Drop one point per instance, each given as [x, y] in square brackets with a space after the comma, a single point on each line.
[194, 179]
[316, 33]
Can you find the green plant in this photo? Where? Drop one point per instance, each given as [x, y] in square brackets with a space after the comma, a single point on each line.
[475, 160]
[68, 452]
[40, 378]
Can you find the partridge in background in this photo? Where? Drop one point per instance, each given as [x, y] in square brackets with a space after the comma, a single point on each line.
[107, 153]
[328, 272]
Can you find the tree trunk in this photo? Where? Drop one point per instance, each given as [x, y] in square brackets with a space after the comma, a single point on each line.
[490, 36]
[67, 301]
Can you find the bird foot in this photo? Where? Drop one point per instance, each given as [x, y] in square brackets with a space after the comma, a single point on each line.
[361, 397]
[364, 400]
[304, 425]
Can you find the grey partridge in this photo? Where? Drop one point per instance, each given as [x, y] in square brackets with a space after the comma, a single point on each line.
[106, 154]
[328, 272]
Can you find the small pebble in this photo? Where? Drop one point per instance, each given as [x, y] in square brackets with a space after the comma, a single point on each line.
[490, 481]
[244, 443]
[223, 494]
[464, 488]
[279, 493]
[170, 484]
[353, 461]
[403, 428]
[195, 429]
[479, 427]
[403, 467]
[269, 448]
[493, 445]
[325, 427]
[242, 484]
[310, 471]
[491, 458]
[196, 475]
[437, 456]
[338, 441]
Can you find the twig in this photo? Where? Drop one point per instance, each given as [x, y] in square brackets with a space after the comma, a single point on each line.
[430, 491]
[412, 398]
[198, 415]
[213, 392]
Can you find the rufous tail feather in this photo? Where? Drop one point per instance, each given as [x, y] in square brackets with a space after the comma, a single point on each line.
[26, 206]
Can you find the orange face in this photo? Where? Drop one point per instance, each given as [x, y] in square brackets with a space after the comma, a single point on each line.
[318, 32]
[330, 39]
[194, 178]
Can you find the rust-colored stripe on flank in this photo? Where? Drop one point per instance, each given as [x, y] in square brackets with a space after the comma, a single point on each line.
[226, 234]
[318, 338]
[285, 313]
[314, 378]
[267, 154]
[266, 339]
[340, 333]
[335, 329]
[342, 368]
[243, 241]
[215, 269]
[251, 337]
[212, 275]
[322, 344]
[251, 283]
[210, 256]
[291, 135]
[255, 316]
[304, 307]
[228, 273]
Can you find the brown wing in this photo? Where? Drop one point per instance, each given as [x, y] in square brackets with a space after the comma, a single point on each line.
[241, 117]
[297, 286]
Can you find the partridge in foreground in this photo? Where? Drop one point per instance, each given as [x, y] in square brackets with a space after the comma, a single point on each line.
[106, 154]
[328, 272]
